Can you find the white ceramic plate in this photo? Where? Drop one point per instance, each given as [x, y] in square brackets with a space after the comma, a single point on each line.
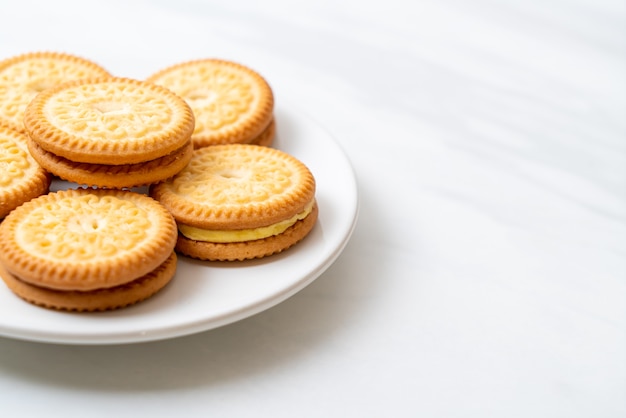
[206, 295]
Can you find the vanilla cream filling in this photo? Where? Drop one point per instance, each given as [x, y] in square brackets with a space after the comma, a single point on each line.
[241, 235]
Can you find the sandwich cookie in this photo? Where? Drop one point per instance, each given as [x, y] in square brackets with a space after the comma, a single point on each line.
[88, 249]
[239, 201]
[95, 300]
[23, 76]
[231, 102]
[110, 132]
[21, 177]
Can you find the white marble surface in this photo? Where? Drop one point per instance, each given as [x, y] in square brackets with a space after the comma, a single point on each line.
[486, 276]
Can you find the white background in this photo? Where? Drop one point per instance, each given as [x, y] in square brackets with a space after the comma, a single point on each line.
[486, 276]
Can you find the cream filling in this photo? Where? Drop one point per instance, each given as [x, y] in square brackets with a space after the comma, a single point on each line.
[241, 235]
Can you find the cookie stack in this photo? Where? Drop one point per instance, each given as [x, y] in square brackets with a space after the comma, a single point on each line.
[88, 249]
[197, 133]
[110, 132]
[239, 201]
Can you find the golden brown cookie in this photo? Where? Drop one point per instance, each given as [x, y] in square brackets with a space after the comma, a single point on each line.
[23, 76]
[21, 178]
[231, 102]
[258, 248]
[239, 201]
[94, 300]
[113, 176]
[266, 138]
[109, 121]
[86, 239]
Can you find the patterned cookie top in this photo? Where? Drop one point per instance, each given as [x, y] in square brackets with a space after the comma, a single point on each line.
[231, 102]
[16, 164]
[86, 238]
[20, 176]
[237, 186]
[24, 76]
[109, 121]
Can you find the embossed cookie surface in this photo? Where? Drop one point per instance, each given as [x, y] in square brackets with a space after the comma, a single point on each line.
[231, 102]
[237, 186]
[21, 178]
[239, 201]
[86, 239]
[22, 77]
[109, 121]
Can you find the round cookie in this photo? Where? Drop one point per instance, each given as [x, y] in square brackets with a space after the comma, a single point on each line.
[21, 178]
[239, 201]
[231, 102]
[23, 76]
[95, 300]
[109, 121]
[86, 239]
